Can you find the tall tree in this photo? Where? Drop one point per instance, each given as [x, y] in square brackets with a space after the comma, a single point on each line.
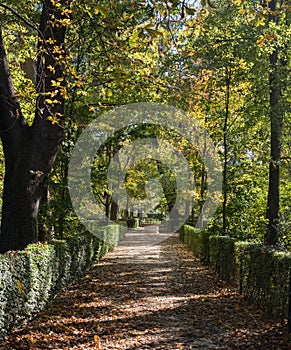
[30, 150]
[276, 83]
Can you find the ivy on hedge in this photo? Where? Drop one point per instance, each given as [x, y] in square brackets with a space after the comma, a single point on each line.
[29, 278]
[263, 274]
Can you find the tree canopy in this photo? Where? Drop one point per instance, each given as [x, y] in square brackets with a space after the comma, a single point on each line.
[226, 63]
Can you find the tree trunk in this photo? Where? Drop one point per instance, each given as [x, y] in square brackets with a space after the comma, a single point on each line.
[44, 231]
[30, 151]
[276, 119]
[203, 186]
[225, 156]
[113, 210]
[18, 225]
[21, 197]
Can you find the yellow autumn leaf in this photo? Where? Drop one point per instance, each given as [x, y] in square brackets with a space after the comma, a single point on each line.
[55, 83]
[53, 120]
[52, 102]
[65, 22]
[19, 286]
[51, 68]
[67, 12]
[97, 341]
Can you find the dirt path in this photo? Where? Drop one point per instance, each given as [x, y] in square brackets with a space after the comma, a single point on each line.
[149, 297]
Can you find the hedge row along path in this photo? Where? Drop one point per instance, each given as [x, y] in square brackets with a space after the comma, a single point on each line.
[149, 297]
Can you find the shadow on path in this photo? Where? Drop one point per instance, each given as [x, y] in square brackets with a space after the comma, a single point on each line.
[144, 296]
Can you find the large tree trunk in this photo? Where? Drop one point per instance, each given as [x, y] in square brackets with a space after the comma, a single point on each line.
[31, 151]
[17, 209]
[273, 204]
[276, 119]
[20, 203]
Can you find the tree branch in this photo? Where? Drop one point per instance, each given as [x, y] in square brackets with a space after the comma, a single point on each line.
[10, 112]
[22, 18]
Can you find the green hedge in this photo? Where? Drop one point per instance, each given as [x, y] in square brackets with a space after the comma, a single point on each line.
[198, 242]
[132, 222]
[262, 274]
[222, 257]
[181, 232]
[30, 277]
[264, 277]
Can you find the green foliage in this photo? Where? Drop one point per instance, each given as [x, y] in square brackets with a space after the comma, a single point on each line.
[261, 273]
[264, 277]
[133, 222]
[41, 261]
[63, 264]
[198, 242]
[222, 257]
[14, 283]
[129, 51]
[31, 277]
[177, 54]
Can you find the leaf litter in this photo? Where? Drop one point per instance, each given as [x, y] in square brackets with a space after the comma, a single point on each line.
[149, 297]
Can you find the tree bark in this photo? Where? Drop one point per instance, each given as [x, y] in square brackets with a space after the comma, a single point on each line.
[30, 151]
[276, 119]
[18, 210]
[203, 186]
[225, 155]
[113, 210]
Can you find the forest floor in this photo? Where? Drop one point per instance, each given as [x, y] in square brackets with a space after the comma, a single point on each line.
[143, 296]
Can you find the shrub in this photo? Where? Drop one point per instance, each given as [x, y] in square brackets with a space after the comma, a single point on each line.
[222, 257]
[198, 242]
[263, 274]
[30, 277]
[133, 223]
[181, 232]
[41, 276]
[264, 277]
[63, 264]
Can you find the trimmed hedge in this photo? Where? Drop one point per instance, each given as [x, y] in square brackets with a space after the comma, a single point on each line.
[198, 242]
[29, 278]
[222, 257]
[264, 277]
[263, 274]
[132, 222]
